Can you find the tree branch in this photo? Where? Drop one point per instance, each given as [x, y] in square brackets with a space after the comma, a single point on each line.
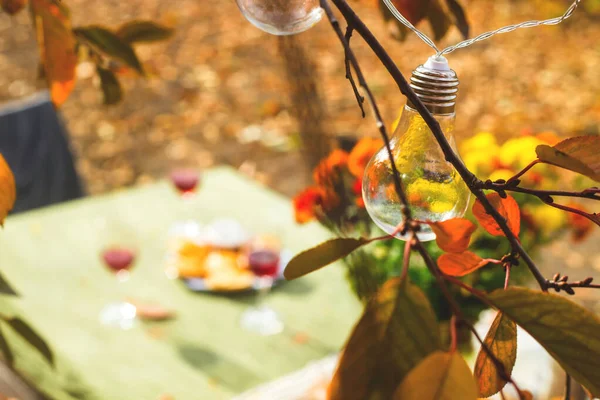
[359, 99]
[561, 283]
[474, 184]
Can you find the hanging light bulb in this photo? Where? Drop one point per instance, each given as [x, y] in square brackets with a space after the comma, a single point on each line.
[434, 189]
[281, 17]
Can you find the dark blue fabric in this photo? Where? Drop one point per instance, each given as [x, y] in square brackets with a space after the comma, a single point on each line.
[34, 143]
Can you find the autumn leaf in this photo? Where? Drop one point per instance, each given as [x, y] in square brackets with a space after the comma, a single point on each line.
[143, 31]
[577, 154]
[111, 88]
[110, 44]
[453, 235]
[397, 330]
[8, 189]
[57, 48]
[12, 6]
[438, 19]
[566, 330]
[26, 332]
[461, 264]
[507, 207]
[460, 17]
[413, 10]
[441, 376]
[502, 341]
[318, 257]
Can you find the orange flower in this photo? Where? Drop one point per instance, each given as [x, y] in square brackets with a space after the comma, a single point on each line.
[361, 154]
[306, 203]
[580, 225]
[330, 167]
[549, 137]
[357, 190]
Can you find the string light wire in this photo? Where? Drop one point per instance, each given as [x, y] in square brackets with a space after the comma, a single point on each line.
[465, 43]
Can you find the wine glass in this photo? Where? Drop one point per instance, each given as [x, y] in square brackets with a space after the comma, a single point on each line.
[119, 260]
[186, 181]
[262, 319]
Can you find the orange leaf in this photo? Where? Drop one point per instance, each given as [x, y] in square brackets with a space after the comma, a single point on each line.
[57, 48]
[8, 190]
[580, 225]
[507, 207]
[460, 264]
[453, 235]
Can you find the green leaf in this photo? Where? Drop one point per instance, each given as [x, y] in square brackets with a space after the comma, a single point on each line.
[502, 341]
[109, 43]
[6, 288]
[318, 257]
[143, 31]
[578, 154]
[460, 18]
[31, 336]
[569, 332]
[9, 357]
[111, 88]
[441, 376]
[397, 330]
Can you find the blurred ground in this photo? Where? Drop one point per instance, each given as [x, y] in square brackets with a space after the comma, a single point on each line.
[219, 92]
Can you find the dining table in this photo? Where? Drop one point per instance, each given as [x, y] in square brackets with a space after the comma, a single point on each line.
[52, 258]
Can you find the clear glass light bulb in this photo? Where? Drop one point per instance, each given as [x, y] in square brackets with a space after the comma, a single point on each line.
[281, 17]
[434, 189]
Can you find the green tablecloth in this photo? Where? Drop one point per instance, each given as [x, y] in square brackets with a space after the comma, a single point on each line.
[51, 257]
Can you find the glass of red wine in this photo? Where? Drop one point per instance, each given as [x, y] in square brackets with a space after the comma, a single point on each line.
[119, 260]
[186, 181]
[260, 318]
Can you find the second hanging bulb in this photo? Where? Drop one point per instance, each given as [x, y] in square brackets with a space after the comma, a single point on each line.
[434, 189]
[281, 17]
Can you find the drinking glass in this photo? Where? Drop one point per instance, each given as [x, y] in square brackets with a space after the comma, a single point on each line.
[118, 259]
[260, 318]
[186, 180]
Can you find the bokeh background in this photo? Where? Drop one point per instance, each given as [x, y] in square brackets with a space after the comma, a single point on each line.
[219, 90]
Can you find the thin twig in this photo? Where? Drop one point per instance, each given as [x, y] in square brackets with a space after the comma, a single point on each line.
[406, 258]
[382, 130]
[568, 388]
[474, 184]
[359, 99]
[595, 218]
[561, 283]
[453, 334]
[508, 267]
[524, 170]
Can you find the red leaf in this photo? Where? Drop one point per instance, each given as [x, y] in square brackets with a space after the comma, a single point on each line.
[507, 207]
[413, 10]
[453, 235]
[461, 264]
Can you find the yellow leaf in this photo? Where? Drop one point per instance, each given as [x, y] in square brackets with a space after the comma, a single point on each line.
[578, 154]
[8, 190]
[57, 48]
[318, 257]
[502, 341]
[566, 330]
[397, 330]
[441, 376]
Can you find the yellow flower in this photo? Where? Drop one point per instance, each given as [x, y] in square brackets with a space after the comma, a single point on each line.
[547, 219]
[519, 152]
[501, 174]
[481, 141]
